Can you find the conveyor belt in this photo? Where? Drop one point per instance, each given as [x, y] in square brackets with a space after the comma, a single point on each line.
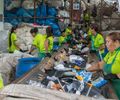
[38, 69]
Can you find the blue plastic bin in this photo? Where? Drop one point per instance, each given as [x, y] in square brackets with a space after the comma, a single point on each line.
[25, 64]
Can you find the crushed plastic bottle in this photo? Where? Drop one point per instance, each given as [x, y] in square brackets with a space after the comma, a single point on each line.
[81, 87]
[86, 75]
[35, 83]
[99, 82]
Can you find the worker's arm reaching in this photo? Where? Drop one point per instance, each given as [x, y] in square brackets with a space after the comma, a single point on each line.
[46, 45]
[96, 67]
[32, 49]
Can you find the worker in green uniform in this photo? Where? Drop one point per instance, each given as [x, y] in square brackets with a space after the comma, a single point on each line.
[68, 33]
[12, 38]
[111, 62]
[38, 42]
[89, 32]
[62, 38]
[86, 17]
[97, 42]
[42, 50]
[49, 41]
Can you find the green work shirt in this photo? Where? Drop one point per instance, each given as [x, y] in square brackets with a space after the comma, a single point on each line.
[39, 41]
[97, 41]
[68, 31]
[50, 41]
[61, 40]
[36, 40]
[115, 69]
[13, 37]
[42, 44]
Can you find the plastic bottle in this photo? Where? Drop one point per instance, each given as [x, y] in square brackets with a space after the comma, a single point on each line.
[81, 87]
[99, 82]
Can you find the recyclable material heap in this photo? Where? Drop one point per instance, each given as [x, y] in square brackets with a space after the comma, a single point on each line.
[23, 11]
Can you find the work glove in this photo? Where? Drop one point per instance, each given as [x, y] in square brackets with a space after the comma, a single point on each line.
[48, 55]
[21, 50]
[110, 76]
[29, 53]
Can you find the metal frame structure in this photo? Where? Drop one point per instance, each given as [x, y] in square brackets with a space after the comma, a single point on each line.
[36, 17]
[103, 18]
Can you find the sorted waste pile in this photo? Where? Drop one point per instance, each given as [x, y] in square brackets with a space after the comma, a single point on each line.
[15, 14]
[24, 37]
